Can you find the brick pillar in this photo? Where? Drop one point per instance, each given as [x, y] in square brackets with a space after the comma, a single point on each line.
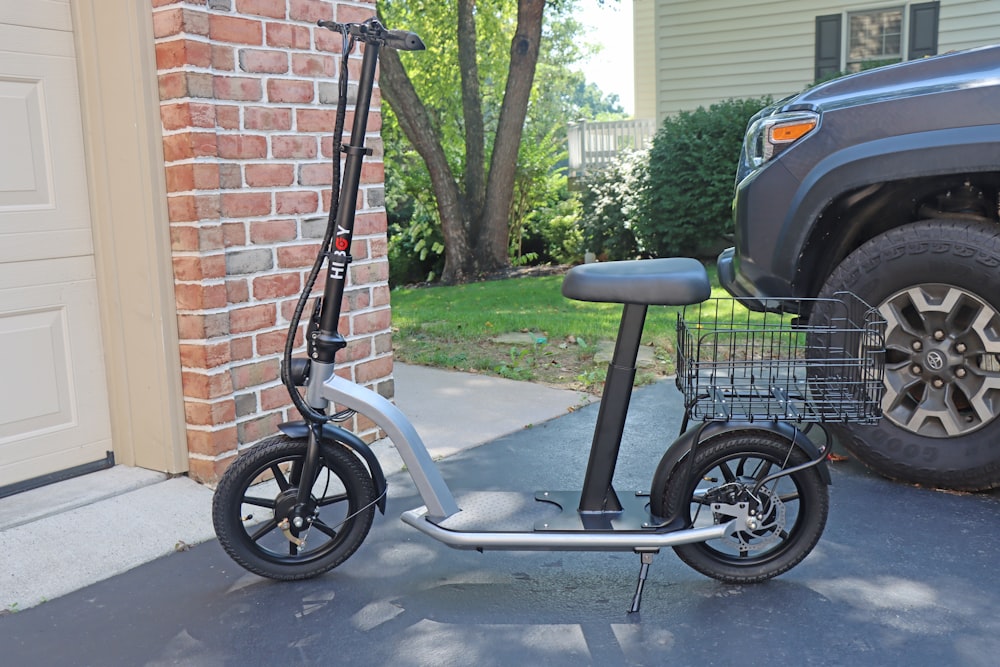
[248, 93]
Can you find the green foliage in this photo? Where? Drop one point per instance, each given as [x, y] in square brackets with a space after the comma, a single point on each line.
[610, 202]
[416, 246]
[685, 206]
[542, 209]
[536, 183]
[561, 238]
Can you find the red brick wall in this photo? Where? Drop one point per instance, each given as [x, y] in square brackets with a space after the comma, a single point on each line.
[248, 93]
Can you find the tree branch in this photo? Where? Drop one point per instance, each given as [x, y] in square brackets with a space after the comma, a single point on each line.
[524, 51]
[416, 125]
[472, 109]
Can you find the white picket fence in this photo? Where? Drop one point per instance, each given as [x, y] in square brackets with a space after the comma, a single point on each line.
[593, 145]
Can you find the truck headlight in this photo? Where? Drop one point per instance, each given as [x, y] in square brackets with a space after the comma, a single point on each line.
[767, 137]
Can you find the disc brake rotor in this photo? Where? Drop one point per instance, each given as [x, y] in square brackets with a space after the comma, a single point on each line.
[765, 525]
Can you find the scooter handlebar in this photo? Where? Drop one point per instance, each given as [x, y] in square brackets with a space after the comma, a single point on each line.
[401, 40]
[404, 40]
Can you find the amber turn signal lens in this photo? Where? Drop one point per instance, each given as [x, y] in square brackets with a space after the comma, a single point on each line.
[791, 131]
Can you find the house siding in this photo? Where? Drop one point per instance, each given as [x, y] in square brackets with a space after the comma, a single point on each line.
[644, 57]
[711, 50]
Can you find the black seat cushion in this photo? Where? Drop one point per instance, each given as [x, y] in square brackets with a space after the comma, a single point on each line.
[673, 281]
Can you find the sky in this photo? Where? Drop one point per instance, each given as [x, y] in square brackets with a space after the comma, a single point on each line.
[610, 26]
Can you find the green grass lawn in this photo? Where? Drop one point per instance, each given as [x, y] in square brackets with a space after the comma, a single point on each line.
[453, 326]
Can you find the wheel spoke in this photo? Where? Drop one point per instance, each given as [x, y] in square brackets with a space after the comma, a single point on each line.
[330, 500]
[741, 467]
[279, 477]
[323, 528]
[727, 472]
[763, 470]
[259, 502]
[264, 529]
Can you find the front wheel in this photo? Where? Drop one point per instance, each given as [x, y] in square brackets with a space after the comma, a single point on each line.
[788, 514]
[937, 286]
[261, 524]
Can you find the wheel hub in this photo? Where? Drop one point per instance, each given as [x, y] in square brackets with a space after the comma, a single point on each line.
[287, 508]
[759, 523]
[942, 378]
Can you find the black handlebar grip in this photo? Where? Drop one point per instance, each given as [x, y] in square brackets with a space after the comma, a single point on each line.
[403, 40]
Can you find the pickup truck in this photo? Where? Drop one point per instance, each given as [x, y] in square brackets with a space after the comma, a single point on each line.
[885, 183]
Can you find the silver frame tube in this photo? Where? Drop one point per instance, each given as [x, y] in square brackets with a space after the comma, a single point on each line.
[568, 541]
[438, 499]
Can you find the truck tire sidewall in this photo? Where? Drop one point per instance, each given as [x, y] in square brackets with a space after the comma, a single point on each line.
[957, 253]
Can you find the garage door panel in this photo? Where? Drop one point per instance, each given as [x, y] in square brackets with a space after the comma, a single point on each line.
[25, 171]
[43, 184]
[48, 337]
[52, 14]
[53, 389]
[35, 360]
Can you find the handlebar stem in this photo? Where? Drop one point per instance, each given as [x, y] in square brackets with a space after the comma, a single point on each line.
[324, 341]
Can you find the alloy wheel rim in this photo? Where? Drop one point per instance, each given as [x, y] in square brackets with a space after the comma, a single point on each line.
[942, 371]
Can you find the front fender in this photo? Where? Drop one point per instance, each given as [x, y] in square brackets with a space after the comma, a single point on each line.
[705, 431]
[300, 430]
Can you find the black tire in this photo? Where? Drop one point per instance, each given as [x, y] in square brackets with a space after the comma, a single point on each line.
[341, 506]
[937, 284]
[724, 468]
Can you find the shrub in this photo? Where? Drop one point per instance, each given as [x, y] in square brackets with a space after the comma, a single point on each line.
[610, 200]
[685, 207]
[416, 247]
[561, 234]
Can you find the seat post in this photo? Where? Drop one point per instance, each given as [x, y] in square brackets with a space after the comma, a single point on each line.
[598, 494]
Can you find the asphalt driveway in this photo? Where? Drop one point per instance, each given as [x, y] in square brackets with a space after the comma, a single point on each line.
[902, 575]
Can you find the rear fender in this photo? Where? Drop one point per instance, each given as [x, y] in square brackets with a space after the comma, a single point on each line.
[705, 431]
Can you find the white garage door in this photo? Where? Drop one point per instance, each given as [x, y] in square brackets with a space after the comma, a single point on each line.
[53, 392]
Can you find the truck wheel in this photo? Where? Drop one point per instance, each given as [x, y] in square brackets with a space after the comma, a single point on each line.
[937, 284]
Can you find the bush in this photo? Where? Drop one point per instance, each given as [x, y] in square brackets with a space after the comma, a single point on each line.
[610, 200]
[416, 246]
[563, 240]
[685, 207]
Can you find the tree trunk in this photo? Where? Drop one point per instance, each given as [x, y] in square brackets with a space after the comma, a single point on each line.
[475, 224]
[491, 250]
[416, 124]
[472, 109]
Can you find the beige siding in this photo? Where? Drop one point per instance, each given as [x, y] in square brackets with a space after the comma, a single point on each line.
[644, 57]
[965, 24]
[711, 50]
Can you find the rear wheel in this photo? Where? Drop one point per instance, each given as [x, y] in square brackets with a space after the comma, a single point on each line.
[261, 524]
[937, 286]
[786, 516]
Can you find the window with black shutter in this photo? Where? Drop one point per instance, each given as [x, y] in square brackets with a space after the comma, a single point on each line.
[923, 30]
[875, 37]
[827, 45]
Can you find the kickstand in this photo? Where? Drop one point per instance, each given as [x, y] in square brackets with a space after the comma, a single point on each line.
[646, 558]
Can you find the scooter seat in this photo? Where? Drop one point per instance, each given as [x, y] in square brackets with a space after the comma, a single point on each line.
[672, 281]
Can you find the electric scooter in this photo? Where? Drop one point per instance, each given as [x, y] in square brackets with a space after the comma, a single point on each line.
[741, 495]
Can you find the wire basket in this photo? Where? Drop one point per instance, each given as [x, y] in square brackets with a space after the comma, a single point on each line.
[733, 364]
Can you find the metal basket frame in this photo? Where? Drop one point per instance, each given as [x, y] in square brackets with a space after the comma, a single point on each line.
[736, 364]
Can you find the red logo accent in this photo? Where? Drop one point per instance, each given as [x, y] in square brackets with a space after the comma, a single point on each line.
[341, 243]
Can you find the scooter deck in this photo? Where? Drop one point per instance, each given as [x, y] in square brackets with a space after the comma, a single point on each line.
[517, 521]
[547, 511]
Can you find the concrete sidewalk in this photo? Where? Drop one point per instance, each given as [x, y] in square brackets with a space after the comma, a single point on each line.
[65, 536]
